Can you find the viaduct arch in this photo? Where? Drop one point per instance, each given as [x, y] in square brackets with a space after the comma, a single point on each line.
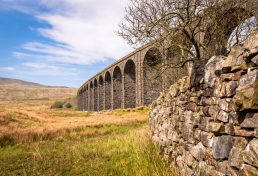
[137, 79]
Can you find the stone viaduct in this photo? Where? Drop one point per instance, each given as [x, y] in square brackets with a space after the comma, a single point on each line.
[134, 81]
[123, 84]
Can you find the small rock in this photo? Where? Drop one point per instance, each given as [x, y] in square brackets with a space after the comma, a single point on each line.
[250, 121]
[229, 129]
[250, 154]
[223, 116]
[205, 111]
[227, 77]
[213, 111]
[236, 157]
[224, 105]
[242, 132]
[198, 151]
[191, 106]
[236, 153]
[223, 167]
[207, 139]
[234, 118]
[255, 60]
[247, 92]
[189, 159]
[228, 89]
[222, 146]
[204, 123]
[256, 132]
[247, 170]
[197, 134]
[215, 127]
[214, 63]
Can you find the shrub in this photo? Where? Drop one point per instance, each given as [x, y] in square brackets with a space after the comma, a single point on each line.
[68, 105]
[57, 104]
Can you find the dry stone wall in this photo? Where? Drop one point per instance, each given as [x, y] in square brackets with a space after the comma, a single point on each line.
[207, 123]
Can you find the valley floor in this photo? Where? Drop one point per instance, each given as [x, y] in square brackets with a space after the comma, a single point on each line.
[37, 140]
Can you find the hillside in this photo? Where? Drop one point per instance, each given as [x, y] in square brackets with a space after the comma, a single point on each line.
[13, 89]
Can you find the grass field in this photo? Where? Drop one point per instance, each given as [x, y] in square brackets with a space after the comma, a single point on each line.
[37, 140]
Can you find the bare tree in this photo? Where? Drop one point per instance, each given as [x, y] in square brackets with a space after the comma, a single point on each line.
[184, 31]
[188, 27]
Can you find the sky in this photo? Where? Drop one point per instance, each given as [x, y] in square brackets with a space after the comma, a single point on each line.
[59, 42]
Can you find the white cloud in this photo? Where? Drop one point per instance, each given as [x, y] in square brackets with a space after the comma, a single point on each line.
[82, 31]
[7, 69]
[39, 68]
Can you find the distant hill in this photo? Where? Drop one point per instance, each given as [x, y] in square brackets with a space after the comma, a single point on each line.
[14, 89]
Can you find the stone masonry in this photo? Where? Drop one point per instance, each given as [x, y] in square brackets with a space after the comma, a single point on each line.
[207, 123]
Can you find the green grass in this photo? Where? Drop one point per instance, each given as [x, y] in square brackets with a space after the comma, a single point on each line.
[104, 150]
[142, 110]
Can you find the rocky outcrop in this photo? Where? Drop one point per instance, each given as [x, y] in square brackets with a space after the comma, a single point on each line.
[207, 123]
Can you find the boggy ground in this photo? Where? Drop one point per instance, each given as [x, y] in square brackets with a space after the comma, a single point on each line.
[37, 140]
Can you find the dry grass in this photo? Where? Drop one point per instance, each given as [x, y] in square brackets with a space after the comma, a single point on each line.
[46, 141]
[22, 121]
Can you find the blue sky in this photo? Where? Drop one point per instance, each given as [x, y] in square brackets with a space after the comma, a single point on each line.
[61, 42]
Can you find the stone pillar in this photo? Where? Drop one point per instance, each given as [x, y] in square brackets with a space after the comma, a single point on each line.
[89, 99]
[123, 91]
[98, 96]
[104, 94]
[112, 93]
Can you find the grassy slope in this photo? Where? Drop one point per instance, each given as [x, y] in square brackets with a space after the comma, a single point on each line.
[12, 89]
[119, 148]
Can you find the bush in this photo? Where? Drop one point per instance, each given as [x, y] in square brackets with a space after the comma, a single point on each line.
[68, 105]
[57, 104]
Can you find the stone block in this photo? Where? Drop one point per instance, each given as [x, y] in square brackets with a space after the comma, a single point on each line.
[228, 89]
[247, 92]
[207, 139]
[256, 132]
[215, 63]
[236, 153]
[198, 151]
[255, 60]
[223, 116]
[247, 170]
[215, 127]
[224, 105]
[250, 154]
[222, 146]
[204, 123]
[250, 121]
[229, 129]
[236, 157]
[243, 132]
[213, 111]
[227, 77]
[191, 106]
[223, 167]
[197, 134]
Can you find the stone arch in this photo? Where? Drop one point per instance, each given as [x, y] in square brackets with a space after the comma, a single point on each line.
[130, 84]
[101, 93]
[172, 56]
[91, 96]
[96, 97]
[107, 90]
[152, 77]
[117, 88]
